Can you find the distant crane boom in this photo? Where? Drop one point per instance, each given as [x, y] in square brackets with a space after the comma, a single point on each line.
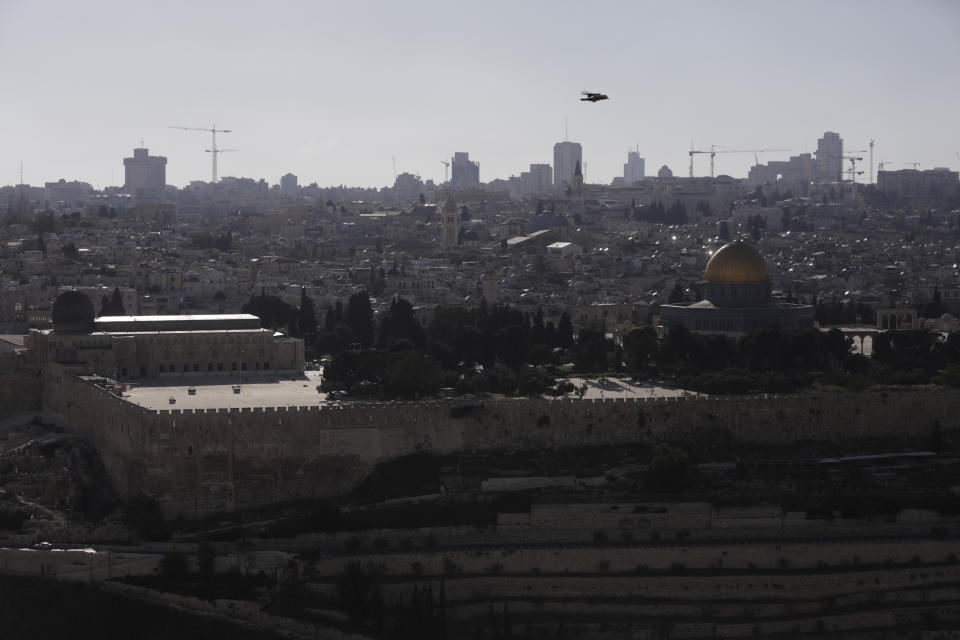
[213, 150]
[695, 151]
[714, 151]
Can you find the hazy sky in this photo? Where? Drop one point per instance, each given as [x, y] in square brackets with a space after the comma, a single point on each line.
[334, 91]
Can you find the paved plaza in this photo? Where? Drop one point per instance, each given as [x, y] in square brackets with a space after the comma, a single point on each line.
[284, 391]
[215, 393]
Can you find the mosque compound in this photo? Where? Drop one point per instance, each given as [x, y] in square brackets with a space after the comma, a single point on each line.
[205, 456]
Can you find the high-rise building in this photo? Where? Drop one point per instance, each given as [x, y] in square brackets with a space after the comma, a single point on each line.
[537, 180]
[566, 155]
[830, 157]
[63, 193]
[145, 176]
[464, 173]
[633, 171]
[288, 186]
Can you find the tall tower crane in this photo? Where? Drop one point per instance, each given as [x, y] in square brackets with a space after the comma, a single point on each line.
[714, 151]
[754, 151]
[693, 151]
[214, 150]
[853, 172]
[871, 160]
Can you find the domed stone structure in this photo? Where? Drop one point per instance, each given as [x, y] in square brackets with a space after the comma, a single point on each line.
[737, 263]
[737, 275]
[736, 297]
[72, 311]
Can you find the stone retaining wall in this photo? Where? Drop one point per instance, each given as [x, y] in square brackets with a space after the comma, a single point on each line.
[198, 462]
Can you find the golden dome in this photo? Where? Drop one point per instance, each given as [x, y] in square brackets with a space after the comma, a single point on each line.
[737, 263]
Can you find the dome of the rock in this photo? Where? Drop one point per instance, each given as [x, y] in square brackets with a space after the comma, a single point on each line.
[737, 263]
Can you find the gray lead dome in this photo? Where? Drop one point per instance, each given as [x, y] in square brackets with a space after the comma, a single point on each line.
[73, 310]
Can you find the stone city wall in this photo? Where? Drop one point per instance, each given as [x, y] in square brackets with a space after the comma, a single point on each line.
[197, 462]
[77, 565]
[20, 385]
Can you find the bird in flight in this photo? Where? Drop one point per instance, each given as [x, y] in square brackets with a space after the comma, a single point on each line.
[593, 97]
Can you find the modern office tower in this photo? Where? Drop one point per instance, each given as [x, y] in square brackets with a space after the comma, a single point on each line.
[566, 155]
[464, 173]
[633, 171]
[288, 186]
[830, 157]
[537, 180]
[145, 176]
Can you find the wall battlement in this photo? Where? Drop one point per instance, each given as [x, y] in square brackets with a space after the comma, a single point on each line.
[201, 461]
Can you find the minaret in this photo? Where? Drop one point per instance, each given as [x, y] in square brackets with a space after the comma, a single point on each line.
[449, 223]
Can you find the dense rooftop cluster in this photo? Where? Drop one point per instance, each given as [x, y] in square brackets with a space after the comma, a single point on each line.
[605, 256]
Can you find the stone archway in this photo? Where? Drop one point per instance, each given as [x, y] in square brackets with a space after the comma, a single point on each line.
[896, 319]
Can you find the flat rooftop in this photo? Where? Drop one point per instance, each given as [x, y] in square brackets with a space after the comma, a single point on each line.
[15, 339]
[301, 390]
[217, 392]
[174, 323]
[185, 318]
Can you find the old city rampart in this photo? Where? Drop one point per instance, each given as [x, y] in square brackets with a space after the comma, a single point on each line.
[19, 385]
[207, 460]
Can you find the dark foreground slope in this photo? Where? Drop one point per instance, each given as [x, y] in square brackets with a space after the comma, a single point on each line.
[37, 609]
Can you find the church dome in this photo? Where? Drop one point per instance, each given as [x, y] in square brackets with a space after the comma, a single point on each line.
[72, 310]
[737, 263]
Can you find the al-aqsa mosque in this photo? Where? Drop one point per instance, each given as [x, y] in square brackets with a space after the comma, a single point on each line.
[163, 347]
[736, 298]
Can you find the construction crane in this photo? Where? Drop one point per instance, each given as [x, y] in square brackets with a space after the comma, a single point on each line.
[912, 164]
[446, 170]
[714, 151]
[871, 160]
[214, 150]
[853, 173]
[753, 151]
[882, 164]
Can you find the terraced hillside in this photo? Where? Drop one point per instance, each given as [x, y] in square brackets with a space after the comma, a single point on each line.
[722, 589]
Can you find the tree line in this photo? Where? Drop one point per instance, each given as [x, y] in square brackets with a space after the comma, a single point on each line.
[500, 349]
[775, 361]
[489, 348]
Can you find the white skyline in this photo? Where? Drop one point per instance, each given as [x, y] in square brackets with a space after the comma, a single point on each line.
[334, 91]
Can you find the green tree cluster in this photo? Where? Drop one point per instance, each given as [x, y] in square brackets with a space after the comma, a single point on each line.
[775, 361]
[657, 213]
[487, 349]
[206, 240]
[113, 305]
[767, 360]
[273, 312]
[836, 311]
